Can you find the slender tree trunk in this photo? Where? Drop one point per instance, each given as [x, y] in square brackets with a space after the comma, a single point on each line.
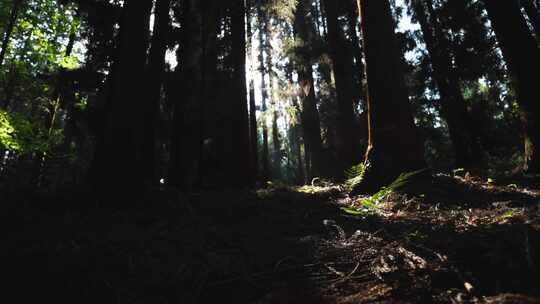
[394, 144]
[188, 111]
[264, 93]
[310, 116]
[342, 60]
[155, 74]
[522, 56]
[454, 109]
[9, 29]
[254, 138]
[276, 141]
[277, 144]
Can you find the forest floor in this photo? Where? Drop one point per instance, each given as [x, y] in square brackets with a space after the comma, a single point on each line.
[448, 239]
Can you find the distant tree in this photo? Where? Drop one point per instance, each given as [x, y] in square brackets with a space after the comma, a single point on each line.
[262, 19]
[253, 129]
[303, 31]
[394, 143]
[521, 53]
[454, 108]
[343, 65]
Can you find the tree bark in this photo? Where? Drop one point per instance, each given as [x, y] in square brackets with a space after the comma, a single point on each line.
[344, 81]
[239, 141]
[188, 111]
[156, 73]
[9, 29]
[303, 29]
[453, 106]
[119, 155]
[394, 143]
[522, 56]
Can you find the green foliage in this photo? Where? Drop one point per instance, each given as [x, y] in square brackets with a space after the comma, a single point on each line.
[370, 205]
[19, 135]
[507, 215]
[354, 176]
[458, 171]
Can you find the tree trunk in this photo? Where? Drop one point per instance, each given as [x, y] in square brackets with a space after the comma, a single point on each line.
[239, 121]
[344, 81]
[358, 66]
[9, 29]
[254, 138]
[276, 142]
[394, 144]
[303, 28]
[188, 114]
[119, 156]
[522, 56]
[156, 71]
[454, 108]
[264, 93]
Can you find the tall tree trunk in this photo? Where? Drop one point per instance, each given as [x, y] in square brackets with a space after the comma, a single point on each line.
[522, 56]
[358, 66]
[188, 111]
[9, 29]
[394, 143]
[343, 75]
[454, 109]
[264, 94]
[254, 138]
[239, 141]
[156, 72]
[303, 28]
[276, 142]
[119, 156]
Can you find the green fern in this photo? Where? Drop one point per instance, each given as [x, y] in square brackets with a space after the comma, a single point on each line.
[404, 179]
[354, 175]
[370, 205]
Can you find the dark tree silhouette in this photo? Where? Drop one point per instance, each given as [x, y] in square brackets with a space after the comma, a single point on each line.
[303, 31]
[521, 54]
[155, 73]
[188, 114]
[453, 106]
[394, 143]
[118, 158]
[239, 168]
[342, 62]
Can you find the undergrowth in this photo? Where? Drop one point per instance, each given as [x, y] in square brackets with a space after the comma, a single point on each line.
[370, 205]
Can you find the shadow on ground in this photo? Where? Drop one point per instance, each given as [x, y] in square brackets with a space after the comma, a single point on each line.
[449, 240]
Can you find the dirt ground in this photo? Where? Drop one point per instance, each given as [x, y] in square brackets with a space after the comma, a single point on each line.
[446, 239]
